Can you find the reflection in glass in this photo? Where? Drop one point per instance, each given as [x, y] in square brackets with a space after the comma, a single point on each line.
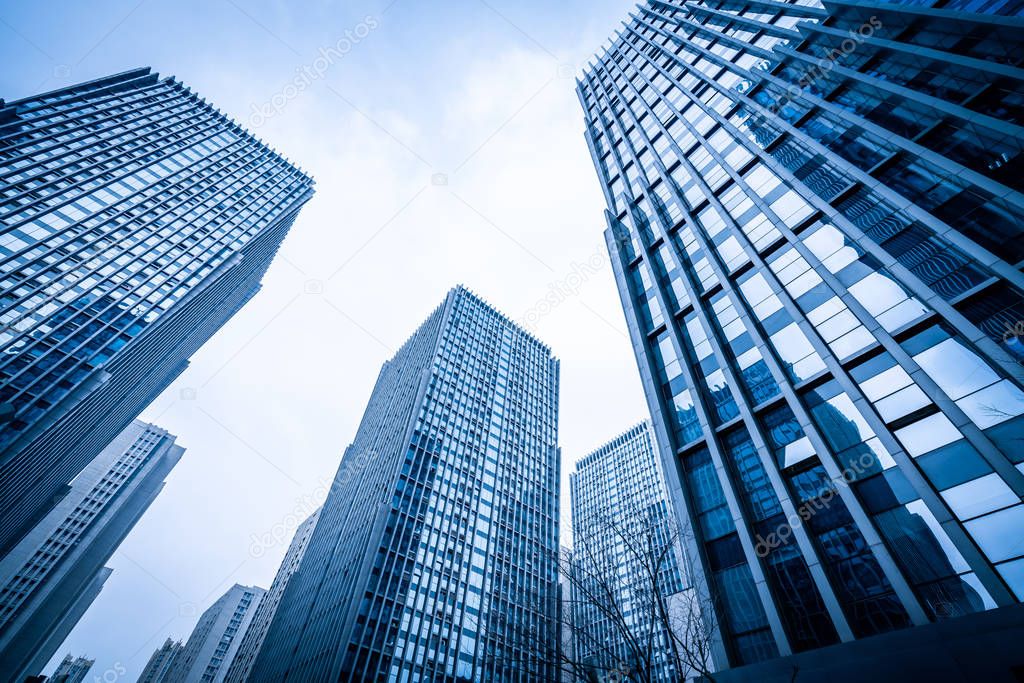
[979, 496]
[928, 434]
[931, 562]
[999, 534]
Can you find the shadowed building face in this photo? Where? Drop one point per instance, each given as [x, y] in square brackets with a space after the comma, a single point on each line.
[814, 219]
[434, 557]
[137, 219]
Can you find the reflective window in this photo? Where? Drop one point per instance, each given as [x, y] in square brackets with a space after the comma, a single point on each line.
[803, 610]
[857, 450]
[953, 464]
[675, 389]
[748, 360]
[860, 583]
[1013, 574]
[979, 496]
[786, 438]
[798, 356]
[966, 378]
[718, 390]
[999, 534]
[651, 315]
[930, 561]
[928, 434]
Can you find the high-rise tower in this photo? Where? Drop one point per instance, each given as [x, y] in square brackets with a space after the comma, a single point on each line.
[626, 544]
[52, 575]
[160, 662]
[435, 555]
[207, 654]
[72, 670]
[136, 220]
[256, 633]
[814, 216]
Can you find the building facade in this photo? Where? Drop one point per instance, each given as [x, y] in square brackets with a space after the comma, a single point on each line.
[207, 654]
[624, 532]
[435, 555]
[160, 662]
[52, 575]
[72, 670]
[137, 219]
[815, 220]
[256, 633]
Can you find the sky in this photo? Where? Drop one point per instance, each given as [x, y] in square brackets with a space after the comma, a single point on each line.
[447, 146]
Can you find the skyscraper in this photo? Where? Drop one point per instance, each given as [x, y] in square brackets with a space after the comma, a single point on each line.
[72, 670]
[256, 633]
[52, 575]
[160, 662]
[434, 557]
[814, 216]
[624, 535]
[137, 219]
[214, 641]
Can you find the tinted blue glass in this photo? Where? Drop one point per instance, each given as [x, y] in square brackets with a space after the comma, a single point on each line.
[1007, 437]
[756, 646]
[725, 552]
[953, 464]
[950, 597]
[760, 383]
[807, 622]
[743, 607]
[758, 493]
[860, 583]
[885, 491]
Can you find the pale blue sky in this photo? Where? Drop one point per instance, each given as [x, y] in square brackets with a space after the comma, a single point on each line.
[481, 92]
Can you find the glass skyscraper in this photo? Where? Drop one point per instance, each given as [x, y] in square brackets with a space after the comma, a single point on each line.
[51, 576]
[618, 493]
[212, 645]
[256, 633]
[435, 555]
[135, 219]
[160, 662]
[814, 216]
[72, 670]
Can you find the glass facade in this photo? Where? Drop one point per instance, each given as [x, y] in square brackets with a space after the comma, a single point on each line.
[73, 669]
[213, 643]
[252, 641]
[618, 492]
[814, 215]
[435, 555]
[135, 219]
[47, 577]
[160, 662]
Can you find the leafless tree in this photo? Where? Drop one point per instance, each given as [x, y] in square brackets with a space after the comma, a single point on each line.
[623, 613]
